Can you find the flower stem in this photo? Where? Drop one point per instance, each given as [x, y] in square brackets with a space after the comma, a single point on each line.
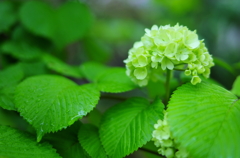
[167, 85]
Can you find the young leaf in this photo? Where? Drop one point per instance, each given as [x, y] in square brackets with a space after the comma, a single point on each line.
[15, 143]
[129, 125]
[63, 26]
[50, 103]
[61, 67]
[66, 142]
[205, 119]
[92, 70]
[236, 87]
[115, 80]
[90, 141]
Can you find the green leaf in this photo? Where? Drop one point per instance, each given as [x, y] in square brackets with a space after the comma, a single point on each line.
[11, 75]
[7, 15]
[115, 80]
[224, 65]
[14, 143]
[9, 78]
[58, 102]
[153, 91]
[237, 65]
[92, 70]
[61, 67]
[66, 142]
[236, 87]
[94, 117]
[129, 125]
[205, 119]
[63, 26]
[33, 68]
[90, 141]
[21, 50]
[96, 50]
[6, 97]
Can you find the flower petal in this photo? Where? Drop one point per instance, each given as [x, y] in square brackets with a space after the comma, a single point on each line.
[140, 73]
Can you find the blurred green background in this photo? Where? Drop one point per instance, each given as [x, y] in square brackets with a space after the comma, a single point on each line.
[42, 35]
[105, 30]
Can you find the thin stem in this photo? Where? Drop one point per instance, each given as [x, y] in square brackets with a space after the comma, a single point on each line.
[167, 85]
[152, 152]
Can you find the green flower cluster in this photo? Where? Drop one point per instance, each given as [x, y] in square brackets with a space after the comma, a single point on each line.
[166, 47]
[162, 138]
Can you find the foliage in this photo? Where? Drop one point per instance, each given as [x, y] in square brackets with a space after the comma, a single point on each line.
[65, 93]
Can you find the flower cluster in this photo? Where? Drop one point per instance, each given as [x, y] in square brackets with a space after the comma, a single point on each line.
[162, 138]
[167, 47]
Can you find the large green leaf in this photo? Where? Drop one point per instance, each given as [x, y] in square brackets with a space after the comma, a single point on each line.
[63, 26]
[61, 67]
[50, 103]
[92, 70]
[236, 87]
[7, 15]
[66, 142]
[205, 119]
[90, 141]
[115, 80]
[17, 144]
[129, 125]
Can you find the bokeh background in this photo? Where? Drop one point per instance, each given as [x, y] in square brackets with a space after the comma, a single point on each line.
[121, 22]
[117, 24]
[106, 31]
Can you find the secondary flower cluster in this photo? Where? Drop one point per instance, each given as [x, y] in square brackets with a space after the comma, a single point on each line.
[166, 47]
[162, 138]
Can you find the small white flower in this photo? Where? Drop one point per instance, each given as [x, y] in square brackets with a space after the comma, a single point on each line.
[163, 140]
